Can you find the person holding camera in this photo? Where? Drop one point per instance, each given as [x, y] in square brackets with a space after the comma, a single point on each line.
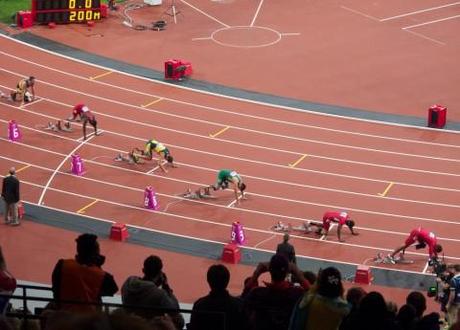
[453, 303]
[270, 306]
[82, 279]
[151, 296]
[423, 238]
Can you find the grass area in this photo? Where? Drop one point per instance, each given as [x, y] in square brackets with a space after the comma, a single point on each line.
[9, 7]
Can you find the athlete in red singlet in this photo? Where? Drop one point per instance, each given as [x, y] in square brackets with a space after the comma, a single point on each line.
[86, 116]
[423, 237]
[341, 218]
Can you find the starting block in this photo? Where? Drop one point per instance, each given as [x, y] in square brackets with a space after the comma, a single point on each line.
[237, 236]
[150, 199]
[119, 232]
[363, 275]
[231, 254]
[14, 134]
[76, 165]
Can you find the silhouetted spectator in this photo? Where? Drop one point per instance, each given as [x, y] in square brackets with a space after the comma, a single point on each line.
[286, 249]
[82, 279]
[372, 314]
[323, 307]
[10, 194]
[7, 284]
[429, 322]
[406, 317]
[226, 312]
[270, 307]
[152, 291]
[310, 276]
[418, 300]
[353, 297]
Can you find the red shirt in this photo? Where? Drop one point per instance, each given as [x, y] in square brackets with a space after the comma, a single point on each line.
[332, 216]
[82, 111]
[423, 236]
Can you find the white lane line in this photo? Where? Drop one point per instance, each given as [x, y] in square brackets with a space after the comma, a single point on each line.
[289, 183]
[425, 37]
[232, 112]
[419, 11]
[159, 82]
[216, 222]
[205, 14]
[37, 99]
[40, 200]
[256, 13]
[360, 13]
[430, 22]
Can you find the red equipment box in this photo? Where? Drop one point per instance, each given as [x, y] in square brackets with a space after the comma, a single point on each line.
[177, 69]
[437, 116]
[363, 275]
[119, 232]
[231, 254]
[24, 19]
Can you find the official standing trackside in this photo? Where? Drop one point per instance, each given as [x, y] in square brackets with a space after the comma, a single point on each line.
[10, 194]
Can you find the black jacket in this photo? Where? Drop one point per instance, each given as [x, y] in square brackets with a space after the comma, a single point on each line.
[10, 189]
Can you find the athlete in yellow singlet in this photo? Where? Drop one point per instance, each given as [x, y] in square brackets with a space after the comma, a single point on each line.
[22, 90]
[153, 146]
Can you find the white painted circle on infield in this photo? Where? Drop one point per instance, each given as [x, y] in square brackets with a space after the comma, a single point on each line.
[246, 36]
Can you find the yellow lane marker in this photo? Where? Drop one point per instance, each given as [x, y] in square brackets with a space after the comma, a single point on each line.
[219, 133]
[298, 161]
[101, 75]
[386, 190]
[153, 102]
[23, 168]
[82, 210]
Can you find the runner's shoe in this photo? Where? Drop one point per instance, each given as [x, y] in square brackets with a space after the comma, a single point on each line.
[391, 260]
[119, 158]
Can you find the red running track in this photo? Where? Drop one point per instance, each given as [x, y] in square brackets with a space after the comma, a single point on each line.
[297, 164]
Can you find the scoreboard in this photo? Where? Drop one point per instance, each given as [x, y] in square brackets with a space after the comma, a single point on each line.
[66, 11]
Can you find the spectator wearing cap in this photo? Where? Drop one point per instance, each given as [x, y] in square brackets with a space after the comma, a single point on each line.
[270, 306]
[151, 294]
[218, 310]
[10, 195]
[287, 249]
[323, 307]
[82, 279]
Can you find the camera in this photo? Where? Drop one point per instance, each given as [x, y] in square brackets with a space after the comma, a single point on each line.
[441, 291]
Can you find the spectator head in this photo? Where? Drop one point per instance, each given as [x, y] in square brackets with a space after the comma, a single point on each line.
[406, 316]
[373, 307]
[152, 267]
[218, 277]
[392, 308]
[88, 250]
[310, 276]
[418, 300]
[279, 267]
[330, 283]
[12, 171]
[429, 322]
[286, 237]
[355, 295]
